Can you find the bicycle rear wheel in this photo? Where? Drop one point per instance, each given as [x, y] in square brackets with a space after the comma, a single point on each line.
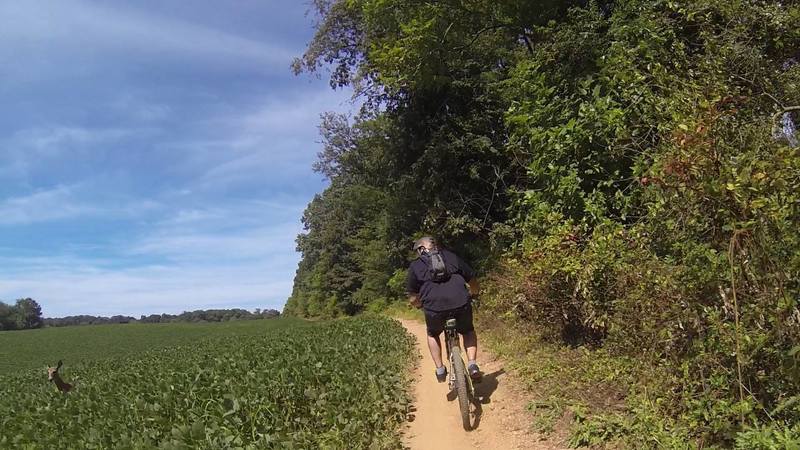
[460, 374]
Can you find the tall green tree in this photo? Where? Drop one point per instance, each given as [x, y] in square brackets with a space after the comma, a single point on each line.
[7, 319]
[28, 314]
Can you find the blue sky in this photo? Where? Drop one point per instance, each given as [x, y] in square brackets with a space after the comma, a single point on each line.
[155, 156]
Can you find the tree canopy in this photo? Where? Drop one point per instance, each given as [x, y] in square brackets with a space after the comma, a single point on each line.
[623, 166]
[24, 315]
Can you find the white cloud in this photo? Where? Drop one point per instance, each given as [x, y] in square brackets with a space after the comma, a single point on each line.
[155, 121]
[223, 234]
[65, 202]
[275, 140]
[42, 206]
[35, 147]
[238, 255]
[241, 213]
[262, 242]
[47, 33]
[65, 291]
[299, 113]
[47, 141]
[136, 108]
[241, 255]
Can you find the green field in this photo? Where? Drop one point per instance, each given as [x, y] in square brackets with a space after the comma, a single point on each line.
[33, 349]
[252, 384]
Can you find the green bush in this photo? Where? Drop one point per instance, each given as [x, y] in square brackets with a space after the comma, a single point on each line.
[660, 220]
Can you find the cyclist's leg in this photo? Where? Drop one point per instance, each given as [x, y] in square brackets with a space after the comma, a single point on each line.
[436, 350]
[435, 325]
[471, 344]
[467, 331]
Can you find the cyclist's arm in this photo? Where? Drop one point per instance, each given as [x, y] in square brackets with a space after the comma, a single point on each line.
[469, 275]
[412, 288]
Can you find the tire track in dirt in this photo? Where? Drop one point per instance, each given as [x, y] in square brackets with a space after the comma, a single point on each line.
[503, 421]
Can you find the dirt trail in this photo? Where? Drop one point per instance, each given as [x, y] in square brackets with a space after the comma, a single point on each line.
[502, 423]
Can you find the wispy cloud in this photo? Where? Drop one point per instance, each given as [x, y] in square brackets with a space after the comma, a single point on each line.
[64, 202]
[221, 246]
[237, 255]
[65, 291]
[154, 156]
[138, 109]
[85, 29]
[42, 206]
[279, 134]
[223, 228]
[43, 146]
[53, 139]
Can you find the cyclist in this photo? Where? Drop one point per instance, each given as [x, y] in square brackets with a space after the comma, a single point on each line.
[443, 297]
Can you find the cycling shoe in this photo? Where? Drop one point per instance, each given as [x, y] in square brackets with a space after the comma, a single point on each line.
[474, 372]
[441, 377]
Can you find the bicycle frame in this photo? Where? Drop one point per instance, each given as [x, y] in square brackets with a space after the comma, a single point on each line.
[453, 345]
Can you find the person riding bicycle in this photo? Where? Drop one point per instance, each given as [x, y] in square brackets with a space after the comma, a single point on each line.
[442, 296]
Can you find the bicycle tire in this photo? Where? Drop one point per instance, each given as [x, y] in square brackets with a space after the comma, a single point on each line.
[460, 374]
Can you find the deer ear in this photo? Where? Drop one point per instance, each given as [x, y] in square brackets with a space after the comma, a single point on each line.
[59, 364]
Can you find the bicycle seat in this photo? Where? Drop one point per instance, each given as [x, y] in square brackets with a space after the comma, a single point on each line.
[451, 323]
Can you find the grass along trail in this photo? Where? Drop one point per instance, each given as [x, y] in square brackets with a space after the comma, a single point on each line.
[502, 421]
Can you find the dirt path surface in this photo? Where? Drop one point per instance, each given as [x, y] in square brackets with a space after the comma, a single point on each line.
[502, 423]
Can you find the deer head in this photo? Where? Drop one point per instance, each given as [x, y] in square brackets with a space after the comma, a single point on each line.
[52, 372]
[53, 375]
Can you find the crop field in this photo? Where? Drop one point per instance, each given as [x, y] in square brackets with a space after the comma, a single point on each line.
[337, 384]
[33, 349]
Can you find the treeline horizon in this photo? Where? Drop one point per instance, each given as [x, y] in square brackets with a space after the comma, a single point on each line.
[200, 315]
[26, 314]
[623, 173]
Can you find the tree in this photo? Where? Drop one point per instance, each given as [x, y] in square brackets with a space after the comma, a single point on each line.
[7, 319]
[28, 314]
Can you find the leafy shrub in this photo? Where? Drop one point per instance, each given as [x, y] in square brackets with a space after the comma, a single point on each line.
[660, 217]
[769, 438]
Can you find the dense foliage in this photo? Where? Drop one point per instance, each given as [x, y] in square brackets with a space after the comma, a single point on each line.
[25, 314]
[332, 385]
[625, 172]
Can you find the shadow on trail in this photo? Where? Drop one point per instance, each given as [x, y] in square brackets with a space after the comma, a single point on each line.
[487, 386]
[483, 395]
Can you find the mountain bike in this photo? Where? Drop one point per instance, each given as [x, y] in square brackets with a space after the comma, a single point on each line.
[459, 379]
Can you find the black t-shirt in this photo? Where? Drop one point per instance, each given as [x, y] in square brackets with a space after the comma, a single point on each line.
[443, 296]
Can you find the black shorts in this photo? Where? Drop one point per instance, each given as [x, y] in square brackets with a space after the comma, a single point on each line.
[435, 320]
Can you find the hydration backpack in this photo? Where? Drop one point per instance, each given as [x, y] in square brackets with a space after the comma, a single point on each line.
[437, 266]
